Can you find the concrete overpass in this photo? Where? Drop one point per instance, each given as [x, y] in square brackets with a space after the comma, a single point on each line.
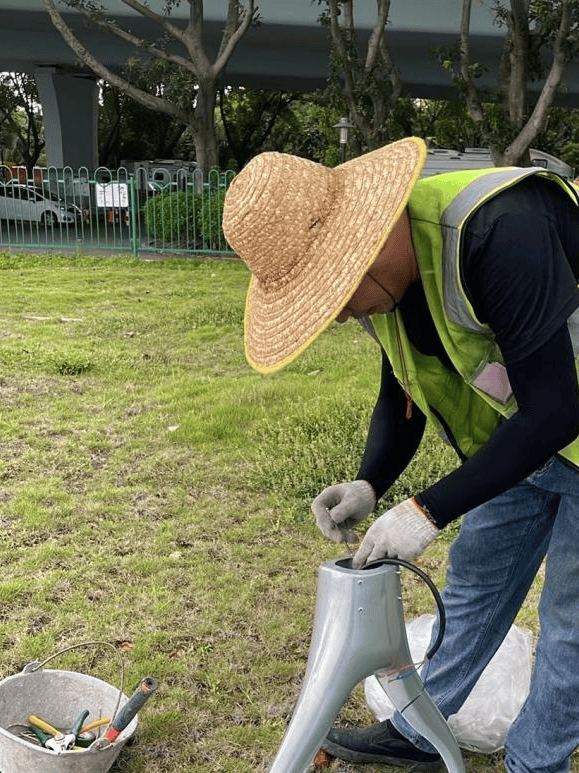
[288, 50]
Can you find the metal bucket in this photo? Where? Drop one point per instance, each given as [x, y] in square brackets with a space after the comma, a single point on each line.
[59, 697]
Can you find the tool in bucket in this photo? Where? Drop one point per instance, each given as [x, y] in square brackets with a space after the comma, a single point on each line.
[146, 688]
[59, 696]
[121, 719]
[54, 739]
[43, 737]
[25, 733]
[38, 731]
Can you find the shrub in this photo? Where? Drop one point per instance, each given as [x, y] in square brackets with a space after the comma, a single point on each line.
[187, 219]
[170, 217]
[209, 219]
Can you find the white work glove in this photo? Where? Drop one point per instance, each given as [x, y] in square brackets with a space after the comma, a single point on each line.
[402, 532]
[338, 508]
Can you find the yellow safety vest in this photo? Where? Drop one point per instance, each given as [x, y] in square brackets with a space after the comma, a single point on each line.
[469, 403]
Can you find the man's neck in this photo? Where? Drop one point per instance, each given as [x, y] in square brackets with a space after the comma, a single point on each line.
[396, 266]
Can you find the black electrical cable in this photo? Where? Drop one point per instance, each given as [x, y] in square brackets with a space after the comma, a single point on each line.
[433, 589]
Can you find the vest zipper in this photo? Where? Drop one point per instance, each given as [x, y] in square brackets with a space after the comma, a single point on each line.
[448, 433]
[405, 379]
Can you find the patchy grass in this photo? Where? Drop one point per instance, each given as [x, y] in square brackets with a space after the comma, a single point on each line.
[154, 494]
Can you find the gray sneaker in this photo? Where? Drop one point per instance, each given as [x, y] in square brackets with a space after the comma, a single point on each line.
[378, 743]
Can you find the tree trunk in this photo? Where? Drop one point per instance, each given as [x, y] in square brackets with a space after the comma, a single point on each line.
[365, 77]
[203, 127]
[514, 66]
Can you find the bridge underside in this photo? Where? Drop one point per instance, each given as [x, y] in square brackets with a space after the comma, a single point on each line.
[280, 56]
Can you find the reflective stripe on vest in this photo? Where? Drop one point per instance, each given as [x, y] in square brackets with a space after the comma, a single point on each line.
[452, 219]
[471, 399]
[492, 379]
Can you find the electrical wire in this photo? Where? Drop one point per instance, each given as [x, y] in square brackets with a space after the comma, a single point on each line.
[433, 589]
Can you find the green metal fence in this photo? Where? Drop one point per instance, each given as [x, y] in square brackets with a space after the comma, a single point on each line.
[141, 210]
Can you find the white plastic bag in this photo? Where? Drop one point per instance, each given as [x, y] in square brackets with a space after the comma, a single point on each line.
[482, 723]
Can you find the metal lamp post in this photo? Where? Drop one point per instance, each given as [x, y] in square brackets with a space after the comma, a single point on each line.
[344, 126]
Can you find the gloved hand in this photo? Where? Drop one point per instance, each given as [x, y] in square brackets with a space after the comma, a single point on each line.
[402, 532]
[338, 508]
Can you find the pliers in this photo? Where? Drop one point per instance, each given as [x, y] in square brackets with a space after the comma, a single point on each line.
[57, 743]
[53, 739]
[60, 742]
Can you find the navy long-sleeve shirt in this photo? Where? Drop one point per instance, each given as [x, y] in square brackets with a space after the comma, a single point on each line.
[520, 265]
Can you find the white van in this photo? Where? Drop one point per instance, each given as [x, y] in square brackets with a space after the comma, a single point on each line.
[20, 202]
[441, 160]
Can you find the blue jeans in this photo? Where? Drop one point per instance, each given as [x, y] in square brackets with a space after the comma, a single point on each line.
[492, 564]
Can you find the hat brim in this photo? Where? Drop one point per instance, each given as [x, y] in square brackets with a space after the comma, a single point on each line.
[280, 322]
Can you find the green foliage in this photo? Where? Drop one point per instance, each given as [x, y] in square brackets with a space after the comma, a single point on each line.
[129, 130]
[260, 120]
[21, 135]
[187, 219]
[570, 154]
[442, 123]
[170, 217]
[251, 119]
[546, 17]
[532, 40]
[210, 214]
[309, 130]
[369, 91]
[73, 365]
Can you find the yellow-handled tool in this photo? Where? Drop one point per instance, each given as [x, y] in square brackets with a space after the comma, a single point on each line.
[95, 724]
[60, 742]
[42, 724]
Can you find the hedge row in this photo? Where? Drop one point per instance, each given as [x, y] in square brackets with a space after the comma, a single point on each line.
[187, 219]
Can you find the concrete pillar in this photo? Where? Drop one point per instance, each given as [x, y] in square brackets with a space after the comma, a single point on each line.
[70, 108]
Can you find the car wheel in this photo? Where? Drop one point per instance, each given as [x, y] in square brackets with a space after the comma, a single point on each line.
[49, 219]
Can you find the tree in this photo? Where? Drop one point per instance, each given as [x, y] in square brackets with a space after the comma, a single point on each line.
[195, 105]
[249, 117]
[442, 123]
[542, 37]
[128, 129]
[308, 130]
[20, 119]
[369, 83]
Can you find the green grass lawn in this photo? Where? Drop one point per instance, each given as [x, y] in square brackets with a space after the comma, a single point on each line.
[155, 491]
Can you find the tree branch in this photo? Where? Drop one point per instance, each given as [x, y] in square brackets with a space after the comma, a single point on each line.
[162, 21]
[231, 37]
[194, 36]
[472, 96]
[149, 100]
[538, 116]
[377, 35]
[128, 37]
[395, 80]
[519, 55]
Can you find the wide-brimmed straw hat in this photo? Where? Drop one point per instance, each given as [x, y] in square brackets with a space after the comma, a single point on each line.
[309, 234]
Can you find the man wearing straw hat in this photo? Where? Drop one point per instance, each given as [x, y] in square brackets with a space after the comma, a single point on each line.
[468, 283]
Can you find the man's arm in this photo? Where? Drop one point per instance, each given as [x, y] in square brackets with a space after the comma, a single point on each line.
[392, 442]
[392, 438]
[545, 386]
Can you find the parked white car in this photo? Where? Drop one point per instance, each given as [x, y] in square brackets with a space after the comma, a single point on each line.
[20, 202]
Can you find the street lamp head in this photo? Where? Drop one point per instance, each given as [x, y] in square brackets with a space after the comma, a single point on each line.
[344, 126]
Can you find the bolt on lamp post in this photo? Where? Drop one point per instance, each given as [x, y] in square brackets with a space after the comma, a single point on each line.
[344, 126]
